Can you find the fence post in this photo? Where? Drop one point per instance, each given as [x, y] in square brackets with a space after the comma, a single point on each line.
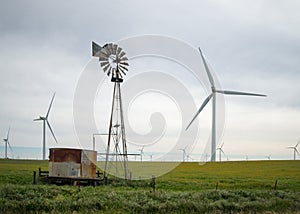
[275, 186]
[34, 177]
[130, 178]
[153, 183]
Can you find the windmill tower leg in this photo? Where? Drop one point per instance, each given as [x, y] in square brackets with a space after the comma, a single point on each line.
[116, 134]
[213, 135]
[124, 145]
[109, 135]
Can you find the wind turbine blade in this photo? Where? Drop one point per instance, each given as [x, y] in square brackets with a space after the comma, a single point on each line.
[9, 146]
[200, 109]
[239, 93]
[8, 133]
[37, 119]
[211, 79]
[222, 151]
[222, 146]
[297, 151]
[51, 131]
[297, 144]
[50, 106]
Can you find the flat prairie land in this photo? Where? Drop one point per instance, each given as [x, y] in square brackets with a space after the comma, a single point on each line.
[220, 187]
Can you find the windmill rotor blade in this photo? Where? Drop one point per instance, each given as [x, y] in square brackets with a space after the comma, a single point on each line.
[115, 48]
[50, 106]
[297, 151]
[122, 54]
[104, 63]
[109, 48]
[37, 119]
[51, 131]
[210, 77]
[118, 51]
[123, 63]
[103, 57]
[200, 109]
[105, 67]
[297, 144]
[239, 93]
[290, 147]
[123, 67]
[124, 58]
[119, 67]
[96, 49]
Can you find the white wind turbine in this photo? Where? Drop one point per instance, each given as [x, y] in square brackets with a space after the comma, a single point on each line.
[45, 120]
[183, 153]
[295, 149]
[6, 141]
[142, 152]
[151, 156]
[213, 96]
[220, 152]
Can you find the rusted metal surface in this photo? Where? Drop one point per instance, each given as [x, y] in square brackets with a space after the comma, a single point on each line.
[65, 162]
[65, 155]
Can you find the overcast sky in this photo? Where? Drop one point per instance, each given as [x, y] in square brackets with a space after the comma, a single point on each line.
[252, 46]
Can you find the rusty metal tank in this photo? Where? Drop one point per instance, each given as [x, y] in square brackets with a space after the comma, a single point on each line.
[76, 163]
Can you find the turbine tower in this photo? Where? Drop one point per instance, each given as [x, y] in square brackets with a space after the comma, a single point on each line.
[6, 141]
[114, 62]
[141, 152]
[45, 120]
[295, 149]
[213, 96]
[183, 153]
[151, 156]
[220, 152]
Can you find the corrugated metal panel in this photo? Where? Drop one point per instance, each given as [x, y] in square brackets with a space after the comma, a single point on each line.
[66, 162]
[64, 169]
[65, 155]
[88, 160]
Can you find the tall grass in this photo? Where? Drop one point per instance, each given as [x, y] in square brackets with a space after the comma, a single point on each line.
[243, 187]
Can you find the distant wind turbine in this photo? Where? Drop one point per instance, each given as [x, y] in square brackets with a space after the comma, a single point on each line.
[6, 141]
[220, 152]
[142, 152]
[45, 120]
[268, 157]
[213, 96]
[183, 153]
[151, 156]
[188, 158]
[295, 149]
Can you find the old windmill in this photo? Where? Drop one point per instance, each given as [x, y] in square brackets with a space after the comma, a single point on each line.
[113, 61]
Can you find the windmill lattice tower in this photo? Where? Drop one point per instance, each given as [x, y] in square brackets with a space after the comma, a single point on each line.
[113, 61]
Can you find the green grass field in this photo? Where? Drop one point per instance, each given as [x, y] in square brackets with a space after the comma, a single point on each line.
[242, 187]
